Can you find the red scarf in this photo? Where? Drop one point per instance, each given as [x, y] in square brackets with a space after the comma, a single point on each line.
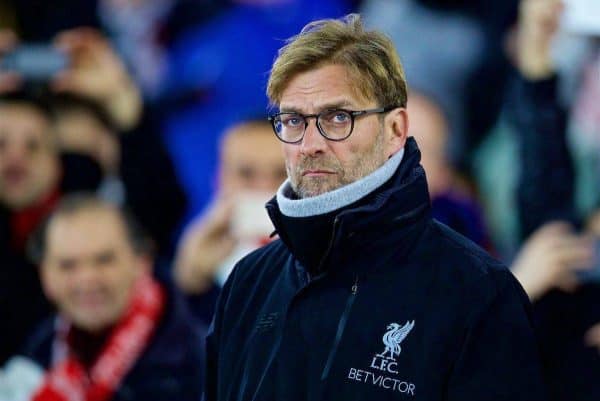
[24, 221]
[69, 380]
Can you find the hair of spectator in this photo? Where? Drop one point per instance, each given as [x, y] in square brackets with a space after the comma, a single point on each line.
[65, 102]
[370, 58]
[84, 201]
[250, 123]
[38, 102]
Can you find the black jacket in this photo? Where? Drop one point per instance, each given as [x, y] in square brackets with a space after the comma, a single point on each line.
[282, 334]
[546, 176]
[545, 193]
[171, 367]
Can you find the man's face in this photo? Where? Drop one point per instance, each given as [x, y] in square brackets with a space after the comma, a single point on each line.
[28, 159]
[317, 165]
[430, 129]
[90, 267]
[251, 160]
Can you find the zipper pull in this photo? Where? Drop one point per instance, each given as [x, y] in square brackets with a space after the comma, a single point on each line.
[355, 286]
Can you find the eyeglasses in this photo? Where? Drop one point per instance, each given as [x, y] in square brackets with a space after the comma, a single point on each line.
[333, 124]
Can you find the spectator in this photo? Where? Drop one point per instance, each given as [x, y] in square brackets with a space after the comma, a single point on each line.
[50, 148]
[251, 168]
[132, 162]
[118, 334]
[452, 203]
[33, 176]
[552, 264]
[448, 49]
[100, 113]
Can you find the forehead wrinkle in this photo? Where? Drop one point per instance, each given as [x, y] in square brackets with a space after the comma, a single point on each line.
[342, 103]
[345, 95]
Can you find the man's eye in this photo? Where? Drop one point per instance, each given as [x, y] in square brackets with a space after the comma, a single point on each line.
[292, 121]
[105, 258]
[340, 117]
[33, 146]
[67, 265]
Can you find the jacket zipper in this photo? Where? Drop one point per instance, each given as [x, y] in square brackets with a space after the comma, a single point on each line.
[329, 246]
[340, 330]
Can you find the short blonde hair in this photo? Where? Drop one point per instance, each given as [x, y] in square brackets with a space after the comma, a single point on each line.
[370, 58]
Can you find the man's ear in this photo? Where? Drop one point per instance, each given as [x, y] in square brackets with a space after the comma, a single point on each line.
[395, 130]
[46, 281]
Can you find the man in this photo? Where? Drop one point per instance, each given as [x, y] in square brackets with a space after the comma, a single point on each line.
[33, 177]
[34, 174]
[100, 113]
[251, 168]
[119, 334]
[365, 297]
[452, 202]
[558, 262]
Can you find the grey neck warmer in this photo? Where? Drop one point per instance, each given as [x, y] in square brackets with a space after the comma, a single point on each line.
[338, 198]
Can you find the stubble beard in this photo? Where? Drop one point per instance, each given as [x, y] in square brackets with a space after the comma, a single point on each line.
[361, 166]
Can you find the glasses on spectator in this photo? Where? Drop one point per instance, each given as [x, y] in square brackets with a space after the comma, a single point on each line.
[333, 124]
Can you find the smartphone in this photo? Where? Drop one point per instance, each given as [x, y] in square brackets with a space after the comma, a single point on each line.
[34, 62]
[582, 17]
[250, 220]
[593, 274]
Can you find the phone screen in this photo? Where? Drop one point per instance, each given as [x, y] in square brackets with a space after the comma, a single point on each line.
[582, 17]
[35, 62]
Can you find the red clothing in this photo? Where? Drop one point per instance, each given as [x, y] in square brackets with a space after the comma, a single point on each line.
[25, 221]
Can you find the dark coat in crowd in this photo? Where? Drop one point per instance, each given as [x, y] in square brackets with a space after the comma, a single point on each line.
[152, 190]
[398, 305]
[170, 369]
[545, 193]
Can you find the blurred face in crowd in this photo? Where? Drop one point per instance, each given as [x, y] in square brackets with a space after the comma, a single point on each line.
[79, 131]
[429, 127]
[251, 159]
[89, 267]
[317, 165]
[29, 164]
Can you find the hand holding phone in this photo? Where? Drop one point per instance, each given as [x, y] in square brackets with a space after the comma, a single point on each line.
[250, 221]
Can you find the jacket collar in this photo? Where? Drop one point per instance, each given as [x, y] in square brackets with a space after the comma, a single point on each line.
[377, 223]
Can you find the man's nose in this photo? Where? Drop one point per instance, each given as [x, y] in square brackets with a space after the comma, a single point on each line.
[313, 142]
[86, 275]
[13, 152]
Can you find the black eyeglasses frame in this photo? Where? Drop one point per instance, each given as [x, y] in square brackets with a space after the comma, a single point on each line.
[353, 114]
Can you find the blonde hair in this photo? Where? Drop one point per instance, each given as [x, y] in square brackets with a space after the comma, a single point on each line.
[370, 58]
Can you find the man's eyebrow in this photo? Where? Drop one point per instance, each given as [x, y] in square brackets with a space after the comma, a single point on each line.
[327, 106]
[337, 105]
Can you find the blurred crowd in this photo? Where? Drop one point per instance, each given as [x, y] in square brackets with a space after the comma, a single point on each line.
[136, 159]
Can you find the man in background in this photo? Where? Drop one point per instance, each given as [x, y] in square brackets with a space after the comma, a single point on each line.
[251, 168]
[33, 177]
[118, 334]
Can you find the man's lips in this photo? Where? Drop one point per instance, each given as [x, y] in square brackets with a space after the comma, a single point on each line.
[317, 173]
[13, 175]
